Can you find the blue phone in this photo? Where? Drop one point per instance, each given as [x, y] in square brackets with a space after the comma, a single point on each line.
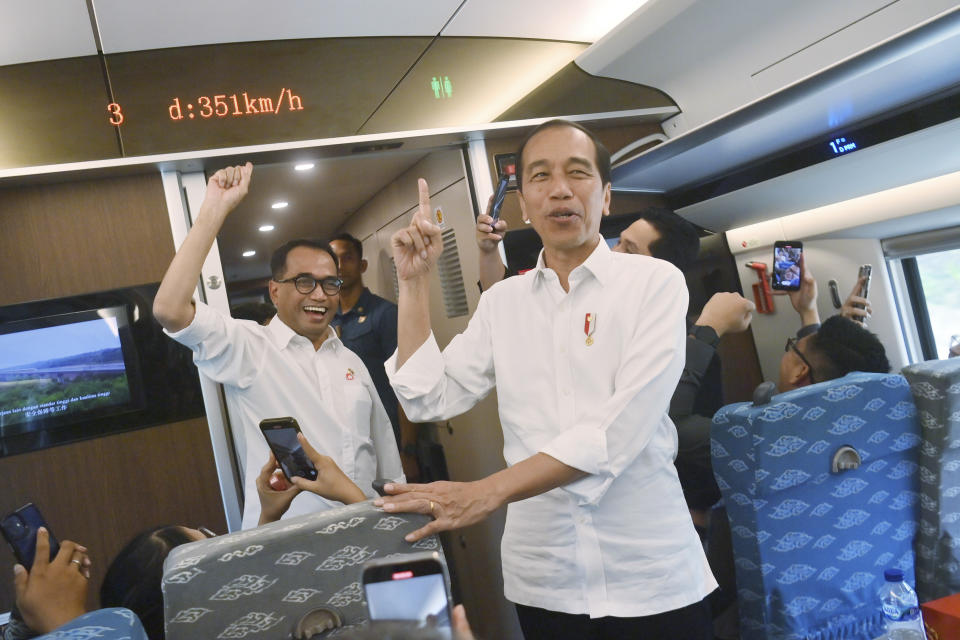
[20, 530]
[498, 197]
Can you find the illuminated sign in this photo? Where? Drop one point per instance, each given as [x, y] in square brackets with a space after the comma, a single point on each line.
[243, 104]
[442, 87]
[840, 146]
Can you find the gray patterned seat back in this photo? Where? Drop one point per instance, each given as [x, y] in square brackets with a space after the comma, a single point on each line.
[266, 579]
[936, 392]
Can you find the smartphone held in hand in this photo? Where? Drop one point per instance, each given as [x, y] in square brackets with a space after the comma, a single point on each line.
[410, 589]
[281, 435]
[787, 270]
[20, 530]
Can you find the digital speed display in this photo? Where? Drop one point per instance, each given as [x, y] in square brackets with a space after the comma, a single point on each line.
[840, 146]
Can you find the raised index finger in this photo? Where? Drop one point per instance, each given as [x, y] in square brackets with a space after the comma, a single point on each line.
[423, 211]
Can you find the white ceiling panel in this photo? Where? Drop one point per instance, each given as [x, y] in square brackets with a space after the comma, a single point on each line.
[44, 30]
[127, 25]
[571, 20]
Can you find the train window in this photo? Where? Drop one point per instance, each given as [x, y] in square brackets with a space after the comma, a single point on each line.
[925, 273]
[939, 276]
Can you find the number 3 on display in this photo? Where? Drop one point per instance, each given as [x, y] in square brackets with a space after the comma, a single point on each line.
[116, 115]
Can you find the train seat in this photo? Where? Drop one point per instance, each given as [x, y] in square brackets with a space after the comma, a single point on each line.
[935, 385]
[270, 578]
[821, 489]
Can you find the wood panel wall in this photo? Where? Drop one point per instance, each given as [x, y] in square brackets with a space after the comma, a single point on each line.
[73, 238]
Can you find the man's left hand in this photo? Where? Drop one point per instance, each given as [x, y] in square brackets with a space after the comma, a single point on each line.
[452, 504]
[275, 492]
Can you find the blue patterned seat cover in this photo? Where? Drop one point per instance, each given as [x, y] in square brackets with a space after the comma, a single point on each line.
[258, 583]
[811, 545]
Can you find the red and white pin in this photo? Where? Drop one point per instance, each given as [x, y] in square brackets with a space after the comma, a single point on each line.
[589, 326]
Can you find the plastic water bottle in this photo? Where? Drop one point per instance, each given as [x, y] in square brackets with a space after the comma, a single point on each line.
[901, 610]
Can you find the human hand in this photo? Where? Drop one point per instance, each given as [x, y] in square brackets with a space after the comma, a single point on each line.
[417, 247]
[275, 492]
[855, 306]
[727, 313]
[804, 299]
[461, 626]
[53, 592]
[227, 188]
[452, 504]
[331, 483]
[489, 233]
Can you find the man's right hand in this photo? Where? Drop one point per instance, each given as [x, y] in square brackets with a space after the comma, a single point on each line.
[855, 306]
[489, 233]
[417, 247]
[804, 300]
[54, 592]
[227, 188]
[726, 313]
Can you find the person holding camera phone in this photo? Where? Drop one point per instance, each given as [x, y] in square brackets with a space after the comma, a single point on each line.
[584, 351]
[294, 366]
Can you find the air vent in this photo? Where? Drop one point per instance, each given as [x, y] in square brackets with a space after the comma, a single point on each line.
[383, 146]
[451, 277]
[396, 281]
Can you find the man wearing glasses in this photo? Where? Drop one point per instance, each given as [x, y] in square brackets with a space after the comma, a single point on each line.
[295, 366]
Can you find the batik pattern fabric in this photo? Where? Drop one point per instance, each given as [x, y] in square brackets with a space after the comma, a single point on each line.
[115, 623]
[258, 583]
[936, 391]
[811, 545]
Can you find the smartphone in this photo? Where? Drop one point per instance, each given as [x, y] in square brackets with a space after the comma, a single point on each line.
[786, 265]
[281, 435]
[866, 270]
[412, 588]
[20, 530]
[498, 197]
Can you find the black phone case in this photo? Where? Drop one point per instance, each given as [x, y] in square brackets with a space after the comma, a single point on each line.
[498, 197]
[20, 531]
[305, 466]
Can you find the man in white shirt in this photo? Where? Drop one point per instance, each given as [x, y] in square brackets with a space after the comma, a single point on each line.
[585, 351]
[295, 366]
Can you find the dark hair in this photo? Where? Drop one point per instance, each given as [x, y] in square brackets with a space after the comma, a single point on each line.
[842, 345]
[278, 261]
[679, 242]
[259, 312]
[135, 575]
[357, 245]
[602, 157]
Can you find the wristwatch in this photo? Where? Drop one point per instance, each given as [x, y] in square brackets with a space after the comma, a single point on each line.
[705, 334]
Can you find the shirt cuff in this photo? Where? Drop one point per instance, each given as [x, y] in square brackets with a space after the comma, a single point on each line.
[193, 334]
[420, 373]
[806, 330]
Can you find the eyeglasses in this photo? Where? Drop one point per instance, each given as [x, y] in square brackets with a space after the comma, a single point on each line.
[792, 344]
[306, 284]
[206, 532]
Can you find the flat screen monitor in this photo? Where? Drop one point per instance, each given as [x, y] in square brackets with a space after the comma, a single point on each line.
[60, 369]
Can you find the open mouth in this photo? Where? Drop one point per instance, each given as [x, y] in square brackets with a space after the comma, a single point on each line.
[315, 310]
[563, 215]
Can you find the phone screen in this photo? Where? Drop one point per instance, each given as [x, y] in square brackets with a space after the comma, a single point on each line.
[293, 460]
[498, 197]
[20, 530]
[786, 265]
[416, 598]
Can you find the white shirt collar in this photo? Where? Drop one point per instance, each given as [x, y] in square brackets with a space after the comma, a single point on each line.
[599, 263]
[281, 334]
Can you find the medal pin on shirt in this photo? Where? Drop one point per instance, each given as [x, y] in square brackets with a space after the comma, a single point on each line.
[589, 326]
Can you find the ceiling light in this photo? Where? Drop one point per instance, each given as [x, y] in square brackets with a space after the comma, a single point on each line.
[303, 166]
[249, 253]
[279, 205]
[266, 227]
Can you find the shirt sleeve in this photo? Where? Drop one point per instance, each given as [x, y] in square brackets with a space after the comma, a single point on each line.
[616, 432]
[223, 349]
[698, 357]
[436, 386]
